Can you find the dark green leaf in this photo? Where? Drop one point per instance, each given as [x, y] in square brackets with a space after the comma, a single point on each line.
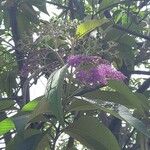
[113, 34]
[41, 5]
[79, 13]
[110, 96]
[20, 121]
[126, 115]
[129, 95]
[120, 112]
[85, 104]
[43, 107]
[54, 92]
[6, 104]
[108, 4]
[126, 53]
[27, 140]
[93, 134]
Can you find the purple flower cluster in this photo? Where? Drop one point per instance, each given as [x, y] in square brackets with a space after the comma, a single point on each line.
[76, 60]
[93, 70]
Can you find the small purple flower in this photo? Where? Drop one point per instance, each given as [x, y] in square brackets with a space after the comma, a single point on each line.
[81, 75]
[76, 60]
[108, 73]
[98, 73]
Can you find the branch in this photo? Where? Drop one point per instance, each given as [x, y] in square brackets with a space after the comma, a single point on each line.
[115, 126]
[131, 32]
[128, 139]
[17, 98]
[141, 58]
[58, 5]
[141, 89]
[85, 90]
[108, 7]
[144, 86]
[140, 72]
[12, 12]
[3, 40]
[70, 143]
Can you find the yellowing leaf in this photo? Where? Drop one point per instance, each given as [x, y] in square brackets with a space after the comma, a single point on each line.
[88, 26]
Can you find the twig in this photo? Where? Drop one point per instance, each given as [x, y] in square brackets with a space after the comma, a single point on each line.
[70, 143]
[141, 58]
[131, 32]
[141, 89]
[58, 5]
[71, 139]
[128, 139]
[12, 98]
[3, 40]
[140, 72]
[144, 86]
[108, 7]
[86, 90]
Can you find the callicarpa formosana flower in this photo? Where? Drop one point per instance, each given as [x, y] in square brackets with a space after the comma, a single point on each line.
[93, 70]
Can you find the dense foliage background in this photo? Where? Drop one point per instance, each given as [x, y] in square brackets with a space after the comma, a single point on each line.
[72, 115]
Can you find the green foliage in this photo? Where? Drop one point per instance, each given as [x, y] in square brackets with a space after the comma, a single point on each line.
[88, 26]
[54, 92]
[120, 112]
[27, 140]
[126, 115]
[93, 134]
[6, 105]
[6, 125]
[32, 104]
[32, 47]
[140, 104]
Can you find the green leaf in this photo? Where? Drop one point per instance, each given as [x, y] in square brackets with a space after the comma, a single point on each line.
[129, 95]
[32, 104]
[126, 115]
[27, 140]
[110, 96]
[147, 93]
[108, 4]
[88, 26]
[126, 53]
[41, 5]
[20, 120]
[112, 34]
[93, 134]
[54, 92]
[121, 112]
[6, 125]
[8, 81]
[31, 114]
[117, 15]
[84, 104]
[44, 143]
[43, 107]
[127, 40]
[80, 10]
[6, 104]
